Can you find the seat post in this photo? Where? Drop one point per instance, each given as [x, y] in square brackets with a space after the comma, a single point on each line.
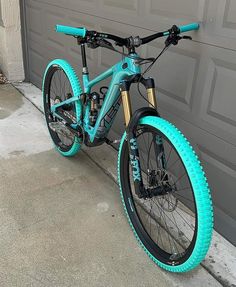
[84, 61]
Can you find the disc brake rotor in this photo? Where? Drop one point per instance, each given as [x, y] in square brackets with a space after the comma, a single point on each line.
[164, 179]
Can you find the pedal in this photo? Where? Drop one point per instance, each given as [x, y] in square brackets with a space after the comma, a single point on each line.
[61, 129]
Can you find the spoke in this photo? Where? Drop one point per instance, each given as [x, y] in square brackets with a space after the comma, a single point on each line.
[159, 232]
[65, 81]
[184, 197]
[148, 139]
[60, 83]
[168, 235]
[170, 219]
[147, 151]
[179, 179]
[174, 163]
[181, 216]
[148, 158]
[150, 220]
[147, 219]
[53, 89]
[58, 80]
[155, 149]
[163, 177]
[171, 236]
[140, 154]
[145, 142]
[185, 188]
[175, 223]
[165, 225]
[59, 86]
[169, 156]
[141, 205]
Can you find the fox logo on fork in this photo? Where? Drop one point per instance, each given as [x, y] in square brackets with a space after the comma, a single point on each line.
[134, 161]
[135, 168]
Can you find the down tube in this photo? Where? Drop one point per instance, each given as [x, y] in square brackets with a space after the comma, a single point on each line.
[109, 108]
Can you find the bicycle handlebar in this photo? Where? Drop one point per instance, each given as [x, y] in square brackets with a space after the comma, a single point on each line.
[189, 27]
[83, 32]
[73, 31]
[179, 30]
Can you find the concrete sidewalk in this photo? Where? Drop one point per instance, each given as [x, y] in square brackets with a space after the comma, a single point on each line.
[62, 222]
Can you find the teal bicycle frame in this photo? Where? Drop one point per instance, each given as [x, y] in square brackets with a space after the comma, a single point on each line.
[127, 67]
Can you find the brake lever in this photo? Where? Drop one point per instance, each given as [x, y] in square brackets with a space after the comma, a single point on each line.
[174, 39]
[187, 38]
[104, 43]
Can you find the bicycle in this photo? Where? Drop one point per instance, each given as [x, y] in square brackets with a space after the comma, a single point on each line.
[162, 184]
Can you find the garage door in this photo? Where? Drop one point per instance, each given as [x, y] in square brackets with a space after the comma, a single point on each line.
[196, 81]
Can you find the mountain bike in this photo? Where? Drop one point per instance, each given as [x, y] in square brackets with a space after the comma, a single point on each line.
[162, 184]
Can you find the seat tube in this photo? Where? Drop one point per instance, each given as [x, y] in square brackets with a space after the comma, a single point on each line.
[124, 88]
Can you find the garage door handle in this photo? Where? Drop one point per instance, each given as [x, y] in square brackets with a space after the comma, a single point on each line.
[73, 31]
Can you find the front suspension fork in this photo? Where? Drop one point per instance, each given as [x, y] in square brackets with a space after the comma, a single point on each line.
[131, 126]
[132, 142]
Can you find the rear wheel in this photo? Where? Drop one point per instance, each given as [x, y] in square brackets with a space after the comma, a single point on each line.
[60, 84]
[173, 225]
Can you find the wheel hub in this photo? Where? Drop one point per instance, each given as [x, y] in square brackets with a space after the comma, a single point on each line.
[159, 183]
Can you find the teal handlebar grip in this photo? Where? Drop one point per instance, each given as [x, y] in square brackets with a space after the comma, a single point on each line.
[189, 27]
[81, 32]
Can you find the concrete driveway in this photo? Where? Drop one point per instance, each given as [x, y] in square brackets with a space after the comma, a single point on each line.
[61, 220]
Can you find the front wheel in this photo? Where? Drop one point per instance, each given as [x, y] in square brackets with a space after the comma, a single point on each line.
[174, 225]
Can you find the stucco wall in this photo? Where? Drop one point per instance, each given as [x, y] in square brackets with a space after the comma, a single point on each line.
[11, 59]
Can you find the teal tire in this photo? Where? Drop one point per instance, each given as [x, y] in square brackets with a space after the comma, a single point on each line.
[200, 190]
[52, 68]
